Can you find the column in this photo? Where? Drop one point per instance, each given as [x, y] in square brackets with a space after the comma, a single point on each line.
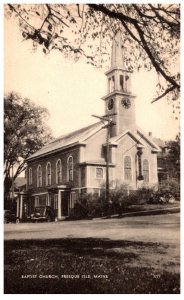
[18, 200]
[79, 180]
[59, 205]
[21, 205]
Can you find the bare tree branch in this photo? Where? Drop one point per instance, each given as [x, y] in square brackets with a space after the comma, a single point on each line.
[144, 45]
[151, 31]
[13, 8]
[164, 94]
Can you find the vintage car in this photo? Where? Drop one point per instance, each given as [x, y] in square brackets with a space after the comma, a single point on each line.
[43, 213]
[9, 217]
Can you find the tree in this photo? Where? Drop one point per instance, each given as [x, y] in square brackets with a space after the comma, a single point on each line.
[172, 158]
[150, 35]
[25, 132]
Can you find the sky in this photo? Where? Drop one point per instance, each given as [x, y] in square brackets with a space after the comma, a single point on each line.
[72, 91]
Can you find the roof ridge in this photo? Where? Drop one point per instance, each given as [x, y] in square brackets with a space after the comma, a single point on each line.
[65, 140]
[152, 136]
[148, 138]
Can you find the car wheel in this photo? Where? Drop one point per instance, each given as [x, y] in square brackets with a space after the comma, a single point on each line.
[5, 220]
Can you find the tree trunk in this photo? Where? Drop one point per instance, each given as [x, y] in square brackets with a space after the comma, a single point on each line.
[7, 187]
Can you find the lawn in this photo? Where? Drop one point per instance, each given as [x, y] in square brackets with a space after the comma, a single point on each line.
[112, 266]
[152, 209]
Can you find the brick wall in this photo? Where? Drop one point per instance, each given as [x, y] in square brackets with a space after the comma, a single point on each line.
[63, 155]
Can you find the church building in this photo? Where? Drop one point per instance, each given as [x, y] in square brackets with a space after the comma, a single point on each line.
[75, 163]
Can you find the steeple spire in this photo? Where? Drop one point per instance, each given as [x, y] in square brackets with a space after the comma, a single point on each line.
[117, 60]
[119, 99]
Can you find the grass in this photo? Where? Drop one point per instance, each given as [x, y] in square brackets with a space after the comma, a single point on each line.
[128, 267]
[148, 206]
[147, 209]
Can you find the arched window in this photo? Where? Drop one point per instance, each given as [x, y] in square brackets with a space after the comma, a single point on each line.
[127, 168]
[70, 168]
[111, 84]
[30, 176]
[48, 174]
[121, 82]
[146, 170]
[58, 171]
[39, 176]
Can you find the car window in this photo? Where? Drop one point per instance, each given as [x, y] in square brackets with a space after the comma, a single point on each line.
[39, 210]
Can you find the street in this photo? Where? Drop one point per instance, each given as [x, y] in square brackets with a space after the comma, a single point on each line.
[156, 228]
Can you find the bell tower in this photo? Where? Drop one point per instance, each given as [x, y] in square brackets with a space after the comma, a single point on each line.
[119, 99]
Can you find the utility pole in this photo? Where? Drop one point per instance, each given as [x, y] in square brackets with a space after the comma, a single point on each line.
[108, 125]
[12, 186]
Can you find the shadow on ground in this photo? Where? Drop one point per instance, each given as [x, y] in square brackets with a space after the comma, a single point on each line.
[82, 266]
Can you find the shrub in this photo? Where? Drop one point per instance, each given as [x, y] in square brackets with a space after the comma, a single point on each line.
[144, 194]
[171, 186]
[95, 206]
[121, 197]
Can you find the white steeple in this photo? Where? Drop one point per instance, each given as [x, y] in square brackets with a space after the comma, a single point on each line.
[119, 101]
[117, 56]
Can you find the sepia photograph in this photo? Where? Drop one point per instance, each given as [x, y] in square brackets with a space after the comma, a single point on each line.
[92, 148]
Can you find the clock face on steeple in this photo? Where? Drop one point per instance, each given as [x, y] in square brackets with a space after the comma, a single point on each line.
[125, 102]
[110, 104]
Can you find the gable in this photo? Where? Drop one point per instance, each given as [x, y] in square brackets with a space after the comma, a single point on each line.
[132, 136]
[127, 142]
[148, 141]
[139, 139]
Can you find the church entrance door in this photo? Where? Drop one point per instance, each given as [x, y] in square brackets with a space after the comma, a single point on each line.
[65, 198]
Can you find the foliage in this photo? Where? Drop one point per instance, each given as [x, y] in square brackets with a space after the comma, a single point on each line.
[144, 193]
[171, 186]
[172, 159]
[150, 34]
[25, 132]
[123, 200]
[93, 205]
[119, 193]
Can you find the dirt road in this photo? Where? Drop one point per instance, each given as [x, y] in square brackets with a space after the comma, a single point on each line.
[157, 228]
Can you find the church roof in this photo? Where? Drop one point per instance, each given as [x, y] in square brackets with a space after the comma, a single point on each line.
[81, 135]
[156, 142]
[139, 136]
[68, 140]
[150, 140]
